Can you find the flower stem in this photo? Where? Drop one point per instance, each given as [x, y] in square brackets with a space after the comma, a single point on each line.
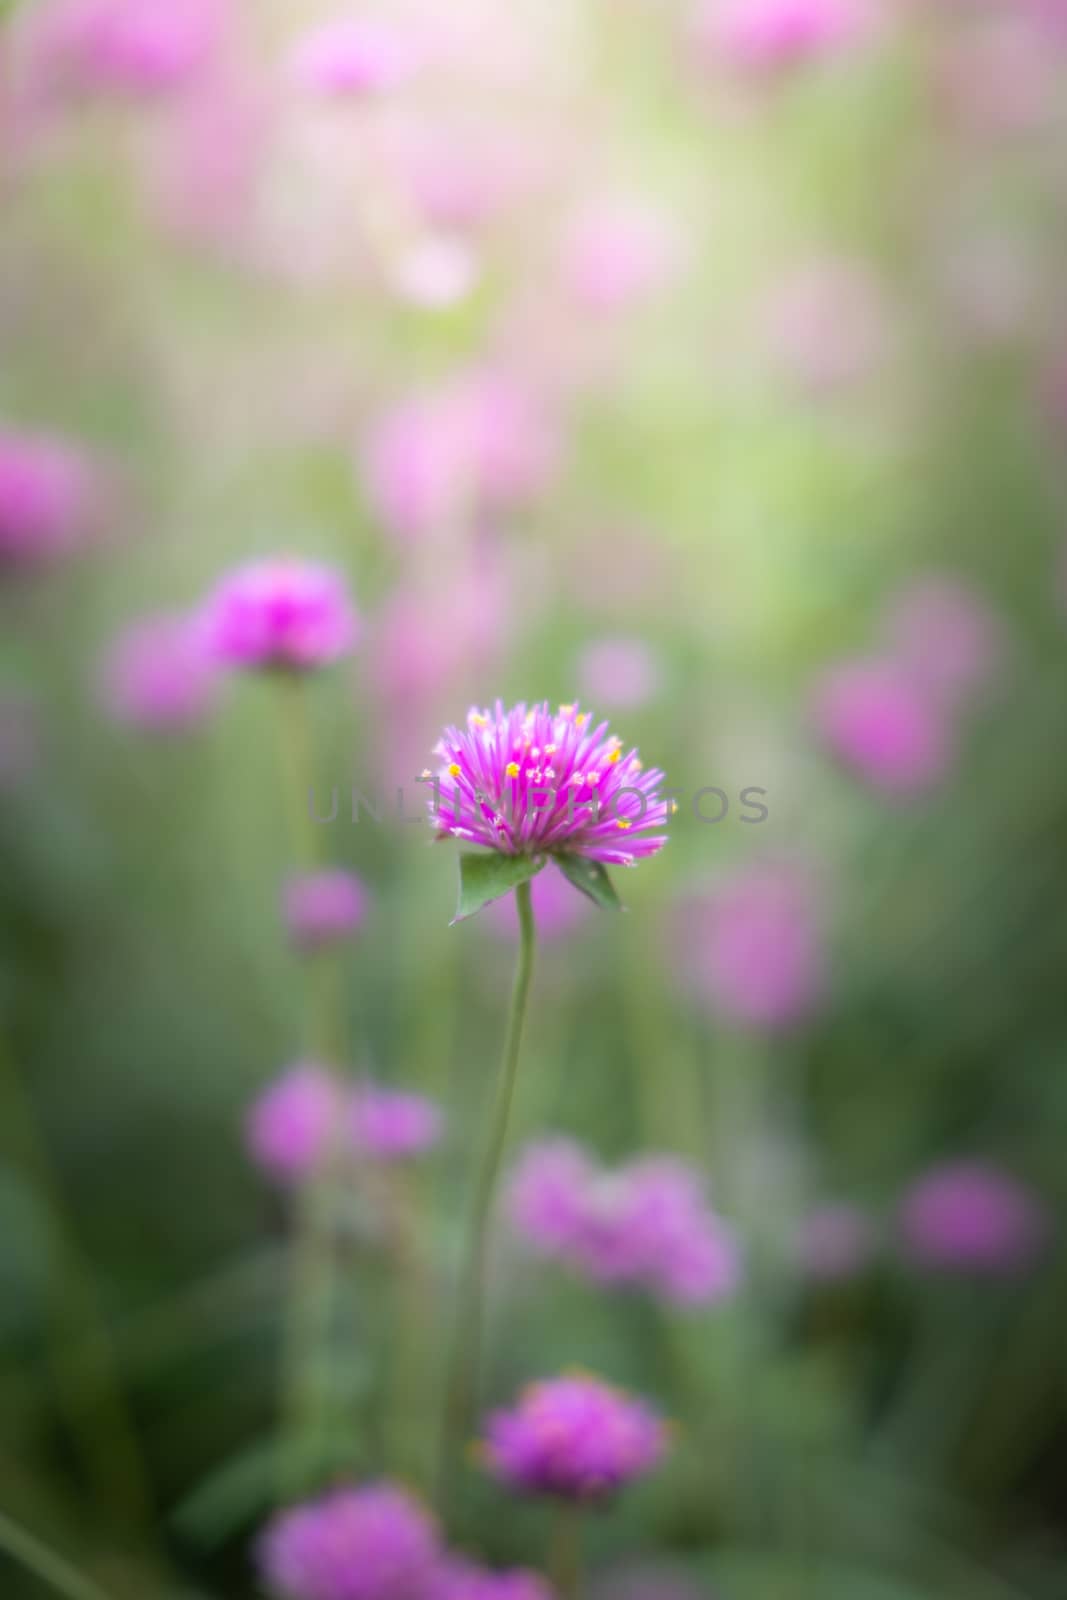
[53, 1569]
[565, 1552]
[461, 1391]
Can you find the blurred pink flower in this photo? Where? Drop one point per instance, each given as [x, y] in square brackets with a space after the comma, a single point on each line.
[47, 498]
[998, 76]
[878, 720]
[281, 613]
[352, 56]
[137, 47]
[834, 1241]
[159, 674]
[558, 908]
[947, 636]
[752, 950]
[374, 1542]
[618, 672]
[776, 35]
[969, 1216]
[827, 324]
[289, 1126]
[323, 907]
[436, 272]
[462, 1580]
[392, 1124]
[617, 254]
[646, 1224]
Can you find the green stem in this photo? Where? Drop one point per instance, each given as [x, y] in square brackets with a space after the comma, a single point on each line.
[565, 1552]
[461, 1390]
[52, 1569]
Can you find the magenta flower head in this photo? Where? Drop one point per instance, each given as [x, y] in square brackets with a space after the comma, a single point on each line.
[159, 674]
[373, 1543]
[129, 47]
[323, 907]
[288, 1128]
[880, 722]
[774, 36]
[752, 947]
[458, 1579]
[46, 499]
[392, 1125]
[574, 1437]
[532, 784]
[970, 1217]
[353, 56]
[284, 613]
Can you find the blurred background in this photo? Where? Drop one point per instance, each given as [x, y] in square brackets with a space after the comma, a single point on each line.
[705, 364]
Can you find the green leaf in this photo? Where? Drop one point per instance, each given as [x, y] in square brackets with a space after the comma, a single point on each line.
[486, 876]
[591, 877]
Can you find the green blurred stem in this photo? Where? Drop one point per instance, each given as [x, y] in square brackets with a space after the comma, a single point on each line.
[52, 1569]
[565, 1552]
[80, 1351]
[306, 1374]
[462, 1383]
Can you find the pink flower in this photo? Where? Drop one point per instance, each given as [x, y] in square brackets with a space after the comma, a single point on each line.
[619, 672]
[371, 1543]
[533, 782]
[136, 47]
[352, 56]
[618, 254]
[159, 674]
[834, 1241]
[390, 1125]
[289, 1126]
[752, 948]
[947, 636]
[574, 1437]
[463, 1580]
[323, 907]
[281, 613]
[881, 723]
[776, 35]
[969, 1216]
[46, 498]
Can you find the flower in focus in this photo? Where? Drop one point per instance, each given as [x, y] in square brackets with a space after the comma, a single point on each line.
[323, 907]
[875, 717]
[372, 1543]
[159, 674]
[619, 672]
[289, 1126]
[458, 1579]
[282, 613]
[392, 1125]
[752, 947]
[46, 498]
[834, 1241]
[353, 56]
[644, 1225]
[557, 909]
[969, 1216]
[947, 636]
[575, 1437]
[526, 782]
[775, 35]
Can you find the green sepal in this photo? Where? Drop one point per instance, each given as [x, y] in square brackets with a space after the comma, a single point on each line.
[485, 876]
[591, 877]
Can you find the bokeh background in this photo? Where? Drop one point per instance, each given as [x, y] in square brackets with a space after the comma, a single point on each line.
[705, 364]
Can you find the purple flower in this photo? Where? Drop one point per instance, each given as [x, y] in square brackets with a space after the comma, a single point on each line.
[575, 1437]
[619, 672]
[281, 613]
[524, 782]
[323, 907]
[289, 1126]
[160, 675]
[557, 909]
[353, 56]
[46, 498]
[391, 1125]
[969, 1216]
[618, 254]
[752, 947]
[373, 1543]
[834, 1241]
[644, 1225]
[458, 1579]
[875, 717]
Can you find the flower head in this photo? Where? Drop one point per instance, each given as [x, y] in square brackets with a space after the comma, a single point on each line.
[373, 1543]
[969, 1216]
[576, 1437]
[879, 721]
[527, 782]
[323, 907]
[281, 613]
[644, 1225]
[458, 1579]
[391, 1125]
[352, 56]
[46, 496]
[288, 1127]
[159, 674]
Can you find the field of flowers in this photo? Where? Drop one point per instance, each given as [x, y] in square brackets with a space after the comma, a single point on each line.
[533, 822]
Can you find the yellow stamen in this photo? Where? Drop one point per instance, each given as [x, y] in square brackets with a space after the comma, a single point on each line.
[512, 769]
[622, 822]
[582, 720]
[454, 770]
[567, 711]
[478, 720]
[614, 755]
